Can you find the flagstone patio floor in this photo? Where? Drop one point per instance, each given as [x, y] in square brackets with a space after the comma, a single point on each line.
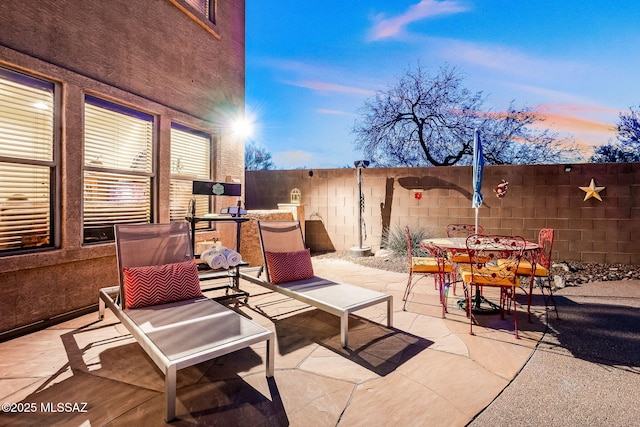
[425, 370]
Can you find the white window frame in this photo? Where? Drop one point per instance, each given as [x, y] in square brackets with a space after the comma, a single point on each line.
[118, 171]
[28, 163]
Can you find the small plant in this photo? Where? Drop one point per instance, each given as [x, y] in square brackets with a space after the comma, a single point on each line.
[396, 240]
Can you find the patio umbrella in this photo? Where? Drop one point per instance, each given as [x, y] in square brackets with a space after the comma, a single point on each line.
[478, 166]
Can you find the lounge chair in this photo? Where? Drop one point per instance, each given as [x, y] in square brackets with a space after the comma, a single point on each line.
[160, 302]
[287, 264]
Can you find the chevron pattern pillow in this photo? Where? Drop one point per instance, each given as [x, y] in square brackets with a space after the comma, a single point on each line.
[289, 266]
[160, 284]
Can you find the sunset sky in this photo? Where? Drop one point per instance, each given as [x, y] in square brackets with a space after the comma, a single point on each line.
[310, 65]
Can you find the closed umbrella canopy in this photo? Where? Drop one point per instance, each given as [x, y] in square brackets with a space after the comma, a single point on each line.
[478, 168]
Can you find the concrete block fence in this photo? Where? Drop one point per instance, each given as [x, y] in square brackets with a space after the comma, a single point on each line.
[538, 196]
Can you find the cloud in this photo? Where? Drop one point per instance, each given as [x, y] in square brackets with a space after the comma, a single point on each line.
[389, 27]
[330, 87]
[316, 76]
[576, 124]
[582, 108]
[293, 66]
[576, 118]
[567, 98]
[505, 59]
[335, 112]
[584, 123]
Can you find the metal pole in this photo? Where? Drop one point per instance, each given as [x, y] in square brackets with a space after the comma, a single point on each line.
[360, 251]
[360, 208]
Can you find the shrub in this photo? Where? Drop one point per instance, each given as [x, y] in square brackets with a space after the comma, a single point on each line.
[396, 240]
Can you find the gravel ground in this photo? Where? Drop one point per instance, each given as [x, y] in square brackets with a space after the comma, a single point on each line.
[573, 273]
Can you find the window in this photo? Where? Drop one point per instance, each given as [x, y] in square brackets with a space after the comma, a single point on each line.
[190, 160]
[118, 153]
[201, 11]
[27, 162]
[205, 8]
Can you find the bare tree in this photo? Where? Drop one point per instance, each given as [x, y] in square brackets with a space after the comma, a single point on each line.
[627, 147]
[429, 120]
[629, 126]
[256, 158]
[517, 137]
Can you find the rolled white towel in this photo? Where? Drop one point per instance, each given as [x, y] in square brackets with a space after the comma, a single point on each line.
[233, 257]
[219, 261]
[215, 258]
[207, 255]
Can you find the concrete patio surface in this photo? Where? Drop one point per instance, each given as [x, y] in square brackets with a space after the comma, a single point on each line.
[586, 369]
[424, 371]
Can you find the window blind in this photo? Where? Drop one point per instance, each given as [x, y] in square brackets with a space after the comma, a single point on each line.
[26, 161]
[190, 160]
[206, 8]
[118, 144]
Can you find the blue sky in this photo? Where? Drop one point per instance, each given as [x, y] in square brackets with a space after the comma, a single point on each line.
[310, 65]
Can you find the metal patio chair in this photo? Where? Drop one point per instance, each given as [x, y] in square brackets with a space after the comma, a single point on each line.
[493, 262]
[159, 301]
[436, 265]
[541, 275]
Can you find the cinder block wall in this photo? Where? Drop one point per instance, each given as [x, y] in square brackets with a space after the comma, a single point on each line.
[538, 196]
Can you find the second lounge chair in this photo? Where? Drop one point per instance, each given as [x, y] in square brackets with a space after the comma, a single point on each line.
[287, 264]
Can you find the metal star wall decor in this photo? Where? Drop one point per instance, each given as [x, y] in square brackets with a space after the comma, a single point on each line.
[592, 191]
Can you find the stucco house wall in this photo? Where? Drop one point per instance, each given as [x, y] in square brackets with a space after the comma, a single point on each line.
[146, 54]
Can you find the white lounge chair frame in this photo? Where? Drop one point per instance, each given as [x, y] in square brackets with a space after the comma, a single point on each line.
[339, 299]
[179, 334]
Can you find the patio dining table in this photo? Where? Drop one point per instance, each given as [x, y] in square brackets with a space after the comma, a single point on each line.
[459, 245]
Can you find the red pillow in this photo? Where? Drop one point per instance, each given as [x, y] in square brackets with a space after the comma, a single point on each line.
[160, 284]
[289, 266]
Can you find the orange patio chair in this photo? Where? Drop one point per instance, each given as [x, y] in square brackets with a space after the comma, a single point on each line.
[436, 265]
[493, 262]
[542, 272]
[461, 230]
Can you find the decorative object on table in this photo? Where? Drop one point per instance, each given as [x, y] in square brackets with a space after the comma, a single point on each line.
[478, 168]
[592, 191]
[501, 189]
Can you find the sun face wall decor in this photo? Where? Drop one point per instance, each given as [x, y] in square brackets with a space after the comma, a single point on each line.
[592, 191]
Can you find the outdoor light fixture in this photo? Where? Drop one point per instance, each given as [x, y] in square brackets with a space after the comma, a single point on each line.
[360, 251]
[567, 168]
